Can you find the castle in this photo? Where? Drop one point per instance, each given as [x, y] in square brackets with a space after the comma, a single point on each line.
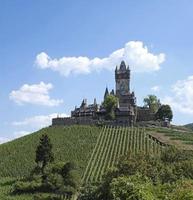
[126, 112]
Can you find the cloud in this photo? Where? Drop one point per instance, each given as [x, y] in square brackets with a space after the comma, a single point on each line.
[38, 121]
[156, 88]
[182, 96]
[134, 53]
[37, 94]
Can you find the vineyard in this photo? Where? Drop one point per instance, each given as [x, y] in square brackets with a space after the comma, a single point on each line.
[114, 142]
[93, 149]
[74, 143]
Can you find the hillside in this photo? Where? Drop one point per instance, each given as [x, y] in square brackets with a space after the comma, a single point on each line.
[190, 126]
[94, 149]
[69, 143]
[114, 142]
[180, 137]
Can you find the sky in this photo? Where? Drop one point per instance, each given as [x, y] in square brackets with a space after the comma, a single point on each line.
[55, 53]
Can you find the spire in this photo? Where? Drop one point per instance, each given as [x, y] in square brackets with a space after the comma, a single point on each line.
[112, 92]
[95, 102]
[128, 67]
[106, 93]
[122, 65]
[84, 103]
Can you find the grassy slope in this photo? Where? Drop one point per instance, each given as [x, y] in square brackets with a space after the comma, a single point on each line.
[69, 143]
[190, 126]
[181, 138]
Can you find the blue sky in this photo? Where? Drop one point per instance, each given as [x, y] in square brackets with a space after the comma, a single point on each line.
[54, 53]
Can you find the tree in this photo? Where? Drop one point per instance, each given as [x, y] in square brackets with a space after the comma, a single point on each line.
[44, 153]
[71, 179]
[133, 188]
[109, 104]
[164, 113]
[152, 102]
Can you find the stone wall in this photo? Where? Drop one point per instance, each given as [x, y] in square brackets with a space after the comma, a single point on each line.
[144, 114]
[67, 121]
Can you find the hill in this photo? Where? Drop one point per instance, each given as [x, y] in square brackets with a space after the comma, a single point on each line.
[94, 149]
[69, 143]
[190, 126]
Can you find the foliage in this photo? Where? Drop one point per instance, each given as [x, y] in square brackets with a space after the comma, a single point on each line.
[131, 188]
[109, 104]
[147, 176]
[152, 102]
[183, 190]
[44, 153]
[6, 188]
[164, 113]
[26, 187]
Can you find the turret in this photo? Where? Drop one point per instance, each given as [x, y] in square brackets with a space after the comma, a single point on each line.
[112, 92]
[106, 93]
[95, 102]
[84, 103]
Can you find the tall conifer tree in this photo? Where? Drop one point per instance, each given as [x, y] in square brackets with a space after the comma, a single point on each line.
[44, 153]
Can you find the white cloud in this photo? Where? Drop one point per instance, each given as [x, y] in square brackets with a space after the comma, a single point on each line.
[37, 122]
[156, 88]
[182, 98]
[37, 94]
[134, 53]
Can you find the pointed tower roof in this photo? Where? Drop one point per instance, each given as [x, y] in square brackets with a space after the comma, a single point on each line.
[112, 92]
[128, 67]
[95, 102]
[84, 103]
[122, 65]
[106, 92]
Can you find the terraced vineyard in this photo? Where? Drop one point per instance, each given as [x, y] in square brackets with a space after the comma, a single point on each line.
[114, 142]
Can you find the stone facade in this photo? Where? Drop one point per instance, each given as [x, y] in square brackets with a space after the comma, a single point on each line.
[126, 113]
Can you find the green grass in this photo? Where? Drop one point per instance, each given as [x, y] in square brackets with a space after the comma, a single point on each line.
[73, 143]
[186, 137]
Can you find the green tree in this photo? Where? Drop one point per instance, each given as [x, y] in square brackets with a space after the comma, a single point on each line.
[71, 179]
[152, 102]
[110, 104]
[131, 188]
[44, 154]
[164, 113]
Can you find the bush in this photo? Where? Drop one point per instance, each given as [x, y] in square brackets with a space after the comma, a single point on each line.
[26, 187]
[45, 196]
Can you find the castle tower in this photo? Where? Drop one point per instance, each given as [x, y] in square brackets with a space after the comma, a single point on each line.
[127, 101]
[122, 78]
